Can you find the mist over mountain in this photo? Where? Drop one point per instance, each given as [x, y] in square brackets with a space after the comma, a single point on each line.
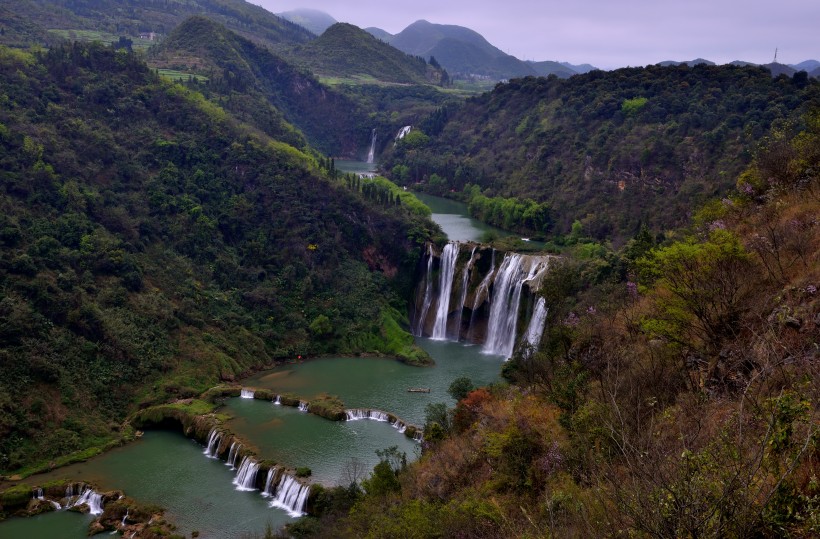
[314, 20]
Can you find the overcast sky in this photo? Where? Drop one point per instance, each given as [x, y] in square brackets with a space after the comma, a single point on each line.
[606, 33]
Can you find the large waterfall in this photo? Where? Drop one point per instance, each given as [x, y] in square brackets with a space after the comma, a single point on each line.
[448, 267]
[291, 496]
[246, 475]
[371, 155]
[495, 296]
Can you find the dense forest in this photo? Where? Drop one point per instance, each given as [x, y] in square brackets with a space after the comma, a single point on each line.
[676, 394]
[609, 150]
[153, 245]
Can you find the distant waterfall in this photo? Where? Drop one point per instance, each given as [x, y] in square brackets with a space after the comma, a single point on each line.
[303, 406]
[246, 475]
[291, 496]
[232, 454]
[418, 437]
[90, 498]
[449, 256]
[536, 327]
[481, 293]
[213, 443]
[268, 480]
[399, 426]
[465, 275]
[506, 298]
[428, 295]
[247, 393]
[357, 414]
[371, 155]
[403, 132]
[278, 400]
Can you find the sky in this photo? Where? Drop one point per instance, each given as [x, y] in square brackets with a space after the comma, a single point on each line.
[606, 33]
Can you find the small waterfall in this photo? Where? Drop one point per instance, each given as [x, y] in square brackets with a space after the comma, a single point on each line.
[303, 406]
[357, 414]
[232, 454]
[536, 327]
[512, 275]
[278, 400]
[291, 496]
[69, 491]
[428, 294]
[268, 480]
[246, 476]
[481, 292]
[122, 524]
[213, 443]
[449, 256]
[371, 155]
[465, 276]
[418, 436]
[399, 426]
[247, 393]
[90, 498]
[403, 132]
[37, 494]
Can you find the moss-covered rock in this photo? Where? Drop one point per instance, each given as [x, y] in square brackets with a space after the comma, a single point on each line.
[328, 406]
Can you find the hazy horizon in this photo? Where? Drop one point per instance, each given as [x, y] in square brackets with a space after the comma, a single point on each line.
[604, 33]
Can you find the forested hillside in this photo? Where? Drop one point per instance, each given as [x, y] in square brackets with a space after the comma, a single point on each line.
[676, 393]
[50, 21]
[152, 245]
[610, 150]
[261, 88]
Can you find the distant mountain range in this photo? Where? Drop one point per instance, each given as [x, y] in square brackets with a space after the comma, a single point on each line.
[314, 20]
[812, 67]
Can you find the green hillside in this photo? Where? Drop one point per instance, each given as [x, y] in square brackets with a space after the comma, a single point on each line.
[262, 88]
[610, 150]
[347, 51]
[152, 245]
[130, 18]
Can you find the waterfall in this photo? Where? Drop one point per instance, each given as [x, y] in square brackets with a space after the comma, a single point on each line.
[403, 132]
[418, 436]
[428, 294]
[213, 443]
[90, 498]
[122, 524]
[291, 496]
[481, 292]
[37, 494]
[268, 480]
[246, 393]
[278, 400]
[371, 155]
[536, 327]
[399, 426]
[356, 414]
[501, 326]
[465, 275]
[232, 454]
[303, 406]
[449, 256]
[246, 476]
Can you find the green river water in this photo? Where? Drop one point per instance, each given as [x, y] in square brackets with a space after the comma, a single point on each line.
[167, 469]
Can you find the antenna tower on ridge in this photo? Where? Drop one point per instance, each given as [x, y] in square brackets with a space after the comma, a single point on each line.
[775, 55]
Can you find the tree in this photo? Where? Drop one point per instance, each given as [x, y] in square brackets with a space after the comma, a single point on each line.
[460, 388]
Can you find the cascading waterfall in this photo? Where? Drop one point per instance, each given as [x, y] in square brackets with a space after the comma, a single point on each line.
[247, 393]
[535, 329]
[418, 437]
[481, 292]
[403, 132]
[303, 406]
[357, 414]
[291, 496]
[38, 494]
[449, 256]
[278, 400]
[90, 498]
[399, 426]
[214, 438]
[465, 275]
[501, 326]
[428, 294]
[246, 475]
[268, 480]
[371, 155]
[232, 454]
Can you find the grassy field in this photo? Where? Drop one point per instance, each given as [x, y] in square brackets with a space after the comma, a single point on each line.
[175, 75]
[103, 37]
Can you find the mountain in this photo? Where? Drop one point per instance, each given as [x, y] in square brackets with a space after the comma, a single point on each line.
[461, 51]
[314, 20]
[552, 68]
[378, 33]
[580, 68]
[105, 20]
[344, 50]
[806, 65]
[610, 150]
[153, 245]
[262, 88]
[815, 73]
[690, 63]
[780, 69]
